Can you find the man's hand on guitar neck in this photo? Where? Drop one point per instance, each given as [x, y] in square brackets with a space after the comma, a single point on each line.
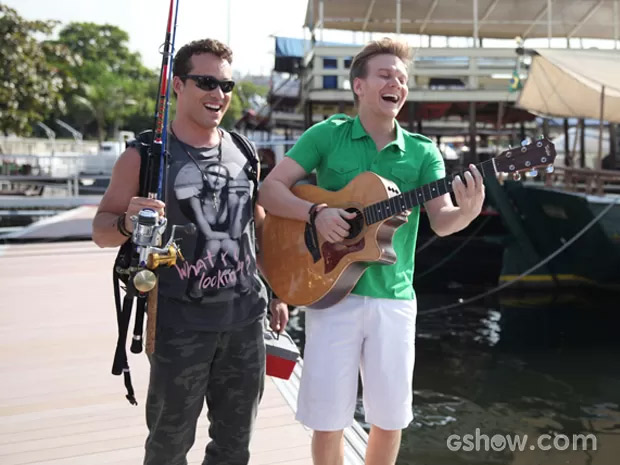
[469, 194]
[330, 223]
[445, 218]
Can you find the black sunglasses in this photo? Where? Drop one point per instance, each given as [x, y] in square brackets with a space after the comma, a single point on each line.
[210, 83]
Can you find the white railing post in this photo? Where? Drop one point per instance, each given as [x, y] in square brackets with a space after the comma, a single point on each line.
[616, 26]
[473, 61]
[321, 19]
[549, 30]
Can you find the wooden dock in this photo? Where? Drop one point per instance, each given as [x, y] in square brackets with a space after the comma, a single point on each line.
[60, 405]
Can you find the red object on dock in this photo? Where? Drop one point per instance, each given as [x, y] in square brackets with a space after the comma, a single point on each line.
[282, 354]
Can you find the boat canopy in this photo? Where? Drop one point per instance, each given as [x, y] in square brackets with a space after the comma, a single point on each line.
[571, 83]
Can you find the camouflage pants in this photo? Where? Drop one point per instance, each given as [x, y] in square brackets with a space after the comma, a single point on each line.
[227, 369]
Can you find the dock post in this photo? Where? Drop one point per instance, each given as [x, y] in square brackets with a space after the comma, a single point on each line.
[472, 133]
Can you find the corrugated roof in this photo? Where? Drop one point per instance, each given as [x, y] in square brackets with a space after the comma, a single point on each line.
[497, 18]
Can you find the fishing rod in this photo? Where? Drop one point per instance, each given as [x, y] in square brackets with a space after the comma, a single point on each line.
[149, 227]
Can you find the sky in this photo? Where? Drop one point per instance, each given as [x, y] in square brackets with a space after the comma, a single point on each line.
[252, 25]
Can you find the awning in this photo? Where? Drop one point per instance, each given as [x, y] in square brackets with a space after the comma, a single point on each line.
[495, 19]
[568, 83]
[289, 54]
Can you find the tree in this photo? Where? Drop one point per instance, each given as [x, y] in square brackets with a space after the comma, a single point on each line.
[234, 111]
[102, 47]
[115, 87]
[243, 98]
[30, 84]
[108, 99]
[142, 112]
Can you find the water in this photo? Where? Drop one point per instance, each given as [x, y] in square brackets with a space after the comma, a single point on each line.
[511, 366]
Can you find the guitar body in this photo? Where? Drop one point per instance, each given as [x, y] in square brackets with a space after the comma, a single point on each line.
[305, 269]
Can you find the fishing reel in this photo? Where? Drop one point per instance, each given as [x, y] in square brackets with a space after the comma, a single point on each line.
[148, 231]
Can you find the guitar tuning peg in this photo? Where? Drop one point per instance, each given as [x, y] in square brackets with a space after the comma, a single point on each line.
[549, 169]
[516, 176]
[532, 173]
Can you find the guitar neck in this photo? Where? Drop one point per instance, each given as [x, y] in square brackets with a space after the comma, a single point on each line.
[385, 209]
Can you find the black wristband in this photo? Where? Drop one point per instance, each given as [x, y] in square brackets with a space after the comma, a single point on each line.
[313, 212]
[120, 225]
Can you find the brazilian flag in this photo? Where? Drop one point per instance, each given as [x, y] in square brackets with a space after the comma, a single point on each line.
[515, 82]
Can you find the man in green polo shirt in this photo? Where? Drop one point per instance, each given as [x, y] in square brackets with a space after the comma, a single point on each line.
[373, 329]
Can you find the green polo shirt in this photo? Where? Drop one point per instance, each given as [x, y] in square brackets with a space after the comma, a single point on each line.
[339, 149]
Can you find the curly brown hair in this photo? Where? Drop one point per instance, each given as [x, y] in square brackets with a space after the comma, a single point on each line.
[182, 60]
[385, 46]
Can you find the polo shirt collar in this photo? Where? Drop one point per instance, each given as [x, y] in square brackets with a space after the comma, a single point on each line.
[358, 132]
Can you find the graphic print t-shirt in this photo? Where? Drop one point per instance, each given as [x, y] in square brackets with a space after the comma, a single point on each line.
[217, 286]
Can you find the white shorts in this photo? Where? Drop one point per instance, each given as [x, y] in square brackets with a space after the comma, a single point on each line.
[376, 336]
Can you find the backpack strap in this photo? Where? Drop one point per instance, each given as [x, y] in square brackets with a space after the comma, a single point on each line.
[142, 143]
[251, 169]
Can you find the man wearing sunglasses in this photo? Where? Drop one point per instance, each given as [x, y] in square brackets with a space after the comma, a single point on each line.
[209, 347]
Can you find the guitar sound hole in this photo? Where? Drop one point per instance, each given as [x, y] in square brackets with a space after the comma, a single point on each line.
[357, 223]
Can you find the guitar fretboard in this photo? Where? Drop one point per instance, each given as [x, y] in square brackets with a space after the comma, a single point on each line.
[407, 200]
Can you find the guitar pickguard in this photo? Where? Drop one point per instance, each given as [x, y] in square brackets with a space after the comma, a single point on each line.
[333, 253]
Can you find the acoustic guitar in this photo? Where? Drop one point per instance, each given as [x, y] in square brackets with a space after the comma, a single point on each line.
[304, 269]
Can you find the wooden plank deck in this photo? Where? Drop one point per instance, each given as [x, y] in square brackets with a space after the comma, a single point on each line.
[59, 404]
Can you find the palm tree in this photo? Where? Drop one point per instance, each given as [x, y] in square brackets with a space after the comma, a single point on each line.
[106, 101]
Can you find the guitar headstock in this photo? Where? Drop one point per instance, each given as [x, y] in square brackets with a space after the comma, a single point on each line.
[540, 153]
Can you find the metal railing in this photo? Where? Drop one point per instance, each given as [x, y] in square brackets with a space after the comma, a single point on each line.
[56, 165]
[68, 175]
[42, 146]
[448, 70]
[589, 181]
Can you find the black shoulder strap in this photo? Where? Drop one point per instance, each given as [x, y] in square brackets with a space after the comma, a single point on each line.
[248, 149]
[142, 143]
[123, 308]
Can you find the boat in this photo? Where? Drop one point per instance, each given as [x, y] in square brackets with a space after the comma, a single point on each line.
[543, 219]
[565, 225]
